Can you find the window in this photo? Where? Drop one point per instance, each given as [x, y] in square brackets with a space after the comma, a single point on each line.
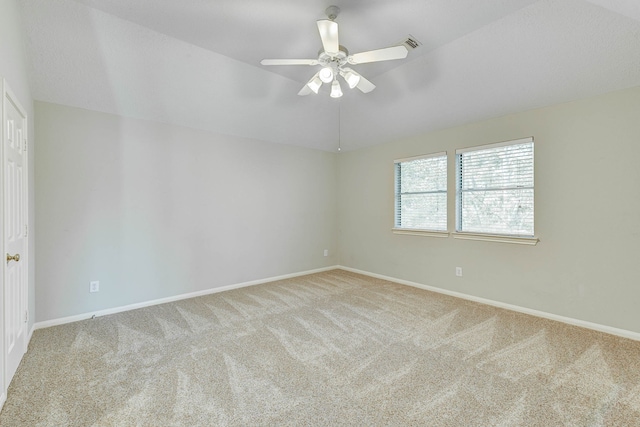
[495, 189]
[421, 193]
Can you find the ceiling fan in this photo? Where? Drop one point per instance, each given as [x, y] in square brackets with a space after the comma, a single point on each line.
[335, 60]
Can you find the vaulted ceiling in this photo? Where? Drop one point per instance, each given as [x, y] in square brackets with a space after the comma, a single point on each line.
[196, 63]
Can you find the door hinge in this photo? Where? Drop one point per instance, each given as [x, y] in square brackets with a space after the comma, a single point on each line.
[26, 230]
[26, 316]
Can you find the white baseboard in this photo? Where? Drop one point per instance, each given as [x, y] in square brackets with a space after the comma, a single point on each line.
[3, 398]
[568, 320]
[33, 328]
[114, 310]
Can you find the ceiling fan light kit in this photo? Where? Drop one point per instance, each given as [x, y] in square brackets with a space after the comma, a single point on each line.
[333, 58]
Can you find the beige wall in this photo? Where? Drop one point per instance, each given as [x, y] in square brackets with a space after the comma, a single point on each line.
[587, 214]
[152, 210]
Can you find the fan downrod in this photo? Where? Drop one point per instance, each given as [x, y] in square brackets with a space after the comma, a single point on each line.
[332, 12]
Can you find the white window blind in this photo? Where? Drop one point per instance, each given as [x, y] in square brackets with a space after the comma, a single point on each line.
[495, 188]
[421, 193]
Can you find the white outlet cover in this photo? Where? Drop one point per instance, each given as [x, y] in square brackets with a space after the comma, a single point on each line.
[94, 286]
[459, 271]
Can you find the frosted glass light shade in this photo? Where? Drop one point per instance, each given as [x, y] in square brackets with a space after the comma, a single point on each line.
[336, 90]
[314, 84]
[351, 78]
[326, 75]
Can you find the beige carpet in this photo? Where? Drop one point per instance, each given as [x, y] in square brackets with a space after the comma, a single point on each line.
[333, 348]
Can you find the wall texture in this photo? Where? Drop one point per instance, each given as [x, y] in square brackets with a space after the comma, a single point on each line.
[152, 210]
[587, 214]
[14, 69]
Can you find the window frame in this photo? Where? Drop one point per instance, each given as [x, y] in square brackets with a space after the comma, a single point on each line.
[397, 229]
[490, 235]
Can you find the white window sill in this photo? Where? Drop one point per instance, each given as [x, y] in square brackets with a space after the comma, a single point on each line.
[496, 238]
[415, 232]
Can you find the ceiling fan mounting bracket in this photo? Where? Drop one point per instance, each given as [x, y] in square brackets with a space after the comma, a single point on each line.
[332, 12]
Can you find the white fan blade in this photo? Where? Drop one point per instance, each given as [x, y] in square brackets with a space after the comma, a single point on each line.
[365, 85]
[329, 35]
[386, 54]
[306, 90]
[289, 62]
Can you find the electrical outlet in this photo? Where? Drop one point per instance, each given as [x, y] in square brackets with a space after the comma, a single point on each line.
[326, 252]
[94, 286]
[459, 271]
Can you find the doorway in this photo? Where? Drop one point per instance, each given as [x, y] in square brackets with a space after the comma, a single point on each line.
[14, 199]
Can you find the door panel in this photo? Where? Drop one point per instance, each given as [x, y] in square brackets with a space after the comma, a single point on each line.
[15, 234]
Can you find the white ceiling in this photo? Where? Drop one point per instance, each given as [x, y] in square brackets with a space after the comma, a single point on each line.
[196, 62]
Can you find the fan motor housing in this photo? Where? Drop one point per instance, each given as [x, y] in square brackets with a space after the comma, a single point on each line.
[339, 59]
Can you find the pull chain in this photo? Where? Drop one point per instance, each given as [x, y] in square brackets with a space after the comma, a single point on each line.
[339, 126]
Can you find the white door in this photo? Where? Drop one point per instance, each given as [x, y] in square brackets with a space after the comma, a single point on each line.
[15, 233]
